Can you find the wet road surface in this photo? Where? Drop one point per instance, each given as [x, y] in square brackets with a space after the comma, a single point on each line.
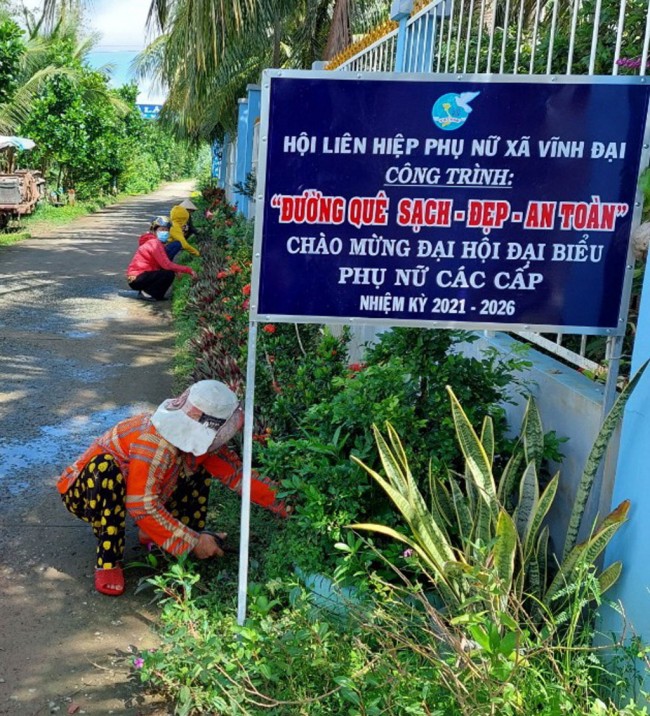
[78, 352]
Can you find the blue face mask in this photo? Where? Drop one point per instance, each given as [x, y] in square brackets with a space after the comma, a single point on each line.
[163, 235]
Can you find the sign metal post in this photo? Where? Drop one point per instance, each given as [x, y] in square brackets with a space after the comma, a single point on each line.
[438, 201]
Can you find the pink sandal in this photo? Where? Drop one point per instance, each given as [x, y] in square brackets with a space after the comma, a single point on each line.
[110, 581]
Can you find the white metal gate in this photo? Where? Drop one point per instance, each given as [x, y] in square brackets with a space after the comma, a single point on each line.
[529, 37]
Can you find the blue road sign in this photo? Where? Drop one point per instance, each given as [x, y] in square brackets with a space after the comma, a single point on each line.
[434, 201]
[149, 111]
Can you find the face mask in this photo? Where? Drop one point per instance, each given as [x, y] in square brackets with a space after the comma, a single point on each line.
[163, 235]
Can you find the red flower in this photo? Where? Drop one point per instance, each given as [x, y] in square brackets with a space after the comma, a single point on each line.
[263, 436]
[235, 268]
[222, 274]
[246, 290]
[227, 317]
[356, 367]
[269, 328]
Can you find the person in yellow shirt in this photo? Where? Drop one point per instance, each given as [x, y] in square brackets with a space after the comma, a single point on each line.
[182, 226]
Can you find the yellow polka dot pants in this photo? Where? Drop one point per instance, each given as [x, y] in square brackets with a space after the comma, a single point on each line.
[189, 501]
[98, 496]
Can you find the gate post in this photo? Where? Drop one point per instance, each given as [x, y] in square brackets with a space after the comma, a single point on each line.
[400, 11]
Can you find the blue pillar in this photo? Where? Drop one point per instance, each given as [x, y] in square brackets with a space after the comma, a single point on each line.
[400, 11]
[632, 542]
[240, 166]
[254, 109]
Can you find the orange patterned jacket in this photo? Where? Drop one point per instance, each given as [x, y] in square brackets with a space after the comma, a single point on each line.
[151, 467]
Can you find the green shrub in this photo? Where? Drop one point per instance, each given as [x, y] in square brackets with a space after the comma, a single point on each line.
[141, 174]
[284, 661]
[394, 654]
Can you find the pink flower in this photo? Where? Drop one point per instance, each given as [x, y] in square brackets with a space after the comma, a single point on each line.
[138, 663]
[208, 214]
[407, 553]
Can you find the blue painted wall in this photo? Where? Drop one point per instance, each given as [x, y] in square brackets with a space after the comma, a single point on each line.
[631, 544]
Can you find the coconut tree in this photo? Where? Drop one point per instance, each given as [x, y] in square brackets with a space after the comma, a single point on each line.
[34, 62]
[206, 52]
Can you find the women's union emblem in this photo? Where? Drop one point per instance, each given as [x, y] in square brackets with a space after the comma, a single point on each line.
[451, 110]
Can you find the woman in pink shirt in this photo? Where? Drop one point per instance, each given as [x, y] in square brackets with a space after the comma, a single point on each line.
[150, 269]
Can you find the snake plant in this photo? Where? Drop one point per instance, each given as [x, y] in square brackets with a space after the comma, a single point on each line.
[473, 522]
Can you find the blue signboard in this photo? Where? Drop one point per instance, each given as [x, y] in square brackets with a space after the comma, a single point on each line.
[149, 111]
[429, 201]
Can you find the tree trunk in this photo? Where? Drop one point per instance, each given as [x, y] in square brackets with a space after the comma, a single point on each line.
[277, 37]
[340, 35]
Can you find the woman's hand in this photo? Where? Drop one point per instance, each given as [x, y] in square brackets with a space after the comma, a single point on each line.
[207, 546]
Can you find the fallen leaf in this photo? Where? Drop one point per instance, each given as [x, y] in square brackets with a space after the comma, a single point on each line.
[73, 708]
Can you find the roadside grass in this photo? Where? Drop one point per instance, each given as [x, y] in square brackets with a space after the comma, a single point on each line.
[47, 216]
[14, 238]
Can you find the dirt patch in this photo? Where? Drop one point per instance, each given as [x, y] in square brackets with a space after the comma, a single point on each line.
[78, 353]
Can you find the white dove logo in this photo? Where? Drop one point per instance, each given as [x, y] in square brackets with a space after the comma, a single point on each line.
[450, 111]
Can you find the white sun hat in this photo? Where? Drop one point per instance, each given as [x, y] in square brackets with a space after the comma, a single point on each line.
[206, 414]
[187, 204]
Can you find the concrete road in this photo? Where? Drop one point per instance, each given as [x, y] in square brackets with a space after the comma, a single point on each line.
[78, 353]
